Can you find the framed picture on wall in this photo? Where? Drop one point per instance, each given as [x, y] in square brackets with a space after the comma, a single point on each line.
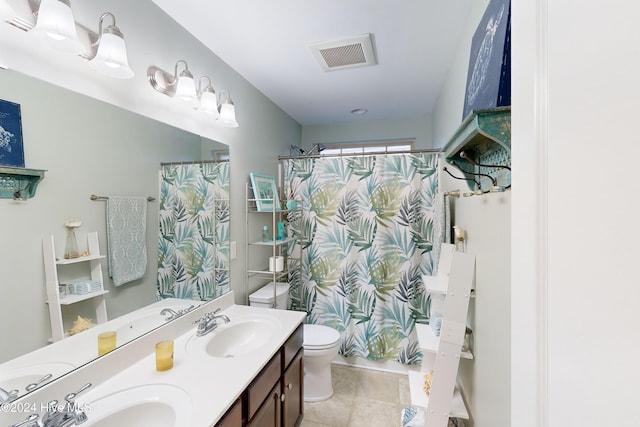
[11, 149]
[265, 192]
[489, 75]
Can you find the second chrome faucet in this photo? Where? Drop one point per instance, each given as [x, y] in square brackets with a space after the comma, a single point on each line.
[209, 322]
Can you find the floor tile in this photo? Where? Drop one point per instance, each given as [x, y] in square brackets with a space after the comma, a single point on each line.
[362, 397]
[374, 413]
[378, 385]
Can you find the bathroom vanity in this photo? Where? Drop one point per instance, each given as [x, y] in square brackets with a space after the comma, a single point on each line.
[248, 371]
[275, 397]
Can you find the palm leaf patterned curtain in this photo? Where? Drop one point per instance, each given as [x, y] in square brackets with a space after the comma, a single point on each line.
[193, 259]
[366, 231]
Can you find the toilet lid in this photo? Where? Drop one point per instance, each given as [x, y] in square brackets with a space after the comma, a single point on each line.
[265, 293]
[319, 336]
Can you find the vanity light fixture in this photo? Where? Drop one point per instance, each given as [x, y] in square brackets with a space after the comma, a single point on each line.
[227, 111]
[111, 54]
[7, 12]
[56, 26]
[208, 98]
[181, 87]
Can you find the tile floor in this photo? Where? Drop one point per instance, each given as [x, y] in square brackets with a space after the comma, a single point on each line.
[361, 397]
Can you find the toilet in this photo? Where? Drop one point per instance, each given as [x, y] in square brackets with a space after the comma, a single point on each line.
[263, 297]
[321, 344]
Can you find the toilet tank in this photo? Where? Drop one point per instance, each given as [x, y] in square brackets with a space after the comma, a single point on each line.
[263, 297]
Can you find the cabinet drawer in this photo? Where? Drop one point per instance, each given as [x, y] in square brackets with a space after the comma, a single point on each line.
[293, 344]
[262, 385]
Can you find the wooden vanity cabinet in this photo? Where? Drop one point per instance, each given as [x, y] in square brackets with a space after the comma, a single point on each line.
[233, 417]
[292, 390]
[269, 414]
[283, 377]
[275, 397]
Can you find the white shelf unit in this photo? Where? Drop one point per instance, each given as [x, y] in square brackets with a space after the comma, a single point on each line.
[277, 245]
[420, 398]
[51, 265]
[454, 281]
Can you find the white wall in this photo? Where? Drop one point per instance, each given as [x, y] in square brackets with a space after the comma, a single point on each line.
[574, 241]
[485, 380]
[418, 128]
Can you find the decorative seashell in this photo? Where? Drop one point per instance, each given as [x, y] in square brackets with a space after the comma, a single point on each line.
[72, 223]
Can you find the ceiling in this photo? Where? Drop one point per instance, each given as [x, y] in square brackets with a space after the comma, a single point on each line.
[267, 43]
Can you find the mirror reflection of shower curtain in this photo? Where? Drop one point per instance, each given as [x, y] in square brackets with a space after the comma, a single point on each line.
[367, 230]
[193, 251]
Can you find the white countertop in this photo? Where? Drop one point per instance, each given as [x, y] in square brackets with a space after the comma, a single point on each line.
[212, 384]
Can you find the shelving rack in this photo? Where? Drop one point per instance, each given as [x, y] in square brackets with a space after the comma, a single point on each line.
[455, 282]
[278, 247]
[51, 266]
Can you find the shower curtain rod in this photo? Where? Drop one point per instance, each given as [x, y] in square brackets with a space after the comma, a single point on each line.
[94, 197]
[315, 156]
[191, 162]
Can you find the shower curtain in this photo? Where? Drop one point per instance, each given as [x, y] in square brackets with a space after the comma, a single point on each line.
[366, 229]
[193, 252]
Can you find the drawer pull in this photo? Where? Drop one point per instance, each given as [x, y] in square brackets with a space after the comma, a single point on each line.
[289, 386]
[282, 397]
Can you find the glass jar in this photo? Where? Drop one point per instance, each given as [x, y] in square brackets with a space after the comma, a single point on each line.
[71, 248]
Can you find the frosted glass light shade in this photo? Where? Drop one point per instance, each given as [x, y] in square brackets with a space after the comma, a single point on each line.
[208, 103]
[56, 25]
[228, 115]
[111, 57]
[7, 12]
[186, 91]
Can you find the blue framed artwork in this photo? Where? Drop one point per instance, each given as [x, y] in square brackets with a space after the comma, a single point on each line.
[11, 148]
[489, 75]
[265, 192]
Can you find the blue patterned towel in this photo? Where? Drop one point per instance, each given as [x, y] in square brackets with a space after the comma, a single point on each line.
[126, 238]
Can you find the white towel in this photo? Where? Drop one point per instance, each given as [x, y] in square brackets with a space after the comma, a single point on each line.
[126, 238]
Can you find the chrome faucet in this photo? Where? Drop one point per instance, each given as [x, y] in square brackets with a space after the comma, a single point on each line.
[35, 385]
[175, 314]
[67, 415]
[209, 322]
[7, 396]
[31, 421]
[172, 313]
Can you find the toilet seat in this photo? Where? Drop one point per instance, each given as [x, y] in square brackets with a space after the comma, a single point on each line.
[319, 337]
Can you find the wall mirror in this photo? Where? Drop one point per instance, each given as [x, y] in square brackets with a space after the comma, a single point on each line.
[86, 147]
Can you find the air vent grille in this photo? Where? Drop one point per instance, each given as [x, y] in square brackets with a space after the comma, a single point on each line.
[351, 54]
[346, 53]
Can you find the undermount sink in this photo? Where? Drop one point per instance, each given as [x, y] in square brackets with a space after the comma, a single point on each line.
[241, 336]
[158, 405]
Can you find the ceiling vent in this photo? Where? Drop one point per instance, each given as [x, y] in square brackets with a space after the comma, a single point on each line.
[346, 53]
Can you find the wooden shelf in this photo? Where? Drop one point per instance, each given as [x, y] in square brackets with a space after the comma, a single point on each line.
[19, 180]
[430, 343]
[64, 261]
[484, 134]
[420, 398]
[72, 299]
[52, 283]
[438, 285]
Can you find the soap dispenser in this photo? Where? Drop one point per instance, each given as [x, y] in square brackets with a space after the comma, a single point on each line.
[265, 234]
